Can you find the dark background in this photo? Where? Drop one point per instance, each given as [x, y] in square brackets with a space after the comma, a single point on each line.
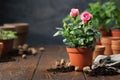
[42, 15]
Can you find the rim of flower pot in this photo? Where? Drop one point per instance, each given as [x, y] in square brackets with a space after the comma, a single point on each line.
[115, 29]
[77, 50]
[5, 39]
[108, 39]
[99, 47]
[115, 42]
[105, 40]
[115, 38]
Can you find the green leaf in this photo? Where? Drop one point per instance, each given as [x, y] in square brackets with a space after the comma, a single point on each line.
[57, 33]
[108, 21]
[90, 38]
[7, 34]
[72, 32]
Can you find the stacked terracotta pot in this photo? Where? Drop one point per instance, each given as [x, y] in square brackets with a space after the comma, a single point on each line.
[109, 46]
[116, 46]
[115, 32]
[106, 41]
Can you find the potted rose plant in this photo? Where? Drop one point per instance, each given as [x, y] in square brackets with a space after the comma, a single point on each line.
[6, 41]
[79, 37]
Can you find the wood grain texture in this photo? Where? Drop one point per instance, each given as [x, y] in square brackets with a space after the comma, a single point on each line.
[114, 77]
[21, 69]
[87, 77]
[35, 67]
[48, 58]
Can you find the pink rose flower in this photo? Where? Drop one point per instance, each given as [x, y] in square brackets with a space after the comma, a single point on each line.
[74, 12]
[86, 16]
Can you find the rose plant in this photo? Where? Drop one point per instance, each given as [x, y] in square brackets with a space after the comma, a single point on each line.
[78, 30]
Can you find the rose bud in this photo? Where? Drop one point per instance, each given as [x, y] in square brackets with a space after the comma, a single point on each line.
[74, 12]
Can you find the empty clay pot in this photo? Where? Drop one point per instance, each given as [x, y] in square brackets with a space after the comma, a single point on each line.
[104, 34]
[106, 41]
[22, 31]
[116, 46]
[12, 28]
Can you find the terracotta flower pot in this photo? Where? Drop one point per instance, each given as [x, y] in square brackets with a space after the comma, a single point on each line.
[12, 28]
[106, 41]
[115, 32]
[22, 32]
[1, 49]
[99, 50]
[6, 46]
[116, 46]
[105, 33]
[80, 57]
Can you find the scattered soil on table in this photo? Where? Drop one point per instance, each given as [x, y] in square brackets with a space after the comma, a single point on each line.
[105, 71]
[61, 69]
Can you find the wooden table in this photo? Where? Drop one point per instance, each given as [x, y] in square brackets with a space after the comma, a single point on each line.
[34, 67]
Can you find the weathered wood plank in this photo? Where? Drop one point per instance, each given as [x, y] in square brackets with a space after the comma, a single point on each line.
[21, 69]
[93, 77]
[113, 77]
[34, 67]
[51, 54]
